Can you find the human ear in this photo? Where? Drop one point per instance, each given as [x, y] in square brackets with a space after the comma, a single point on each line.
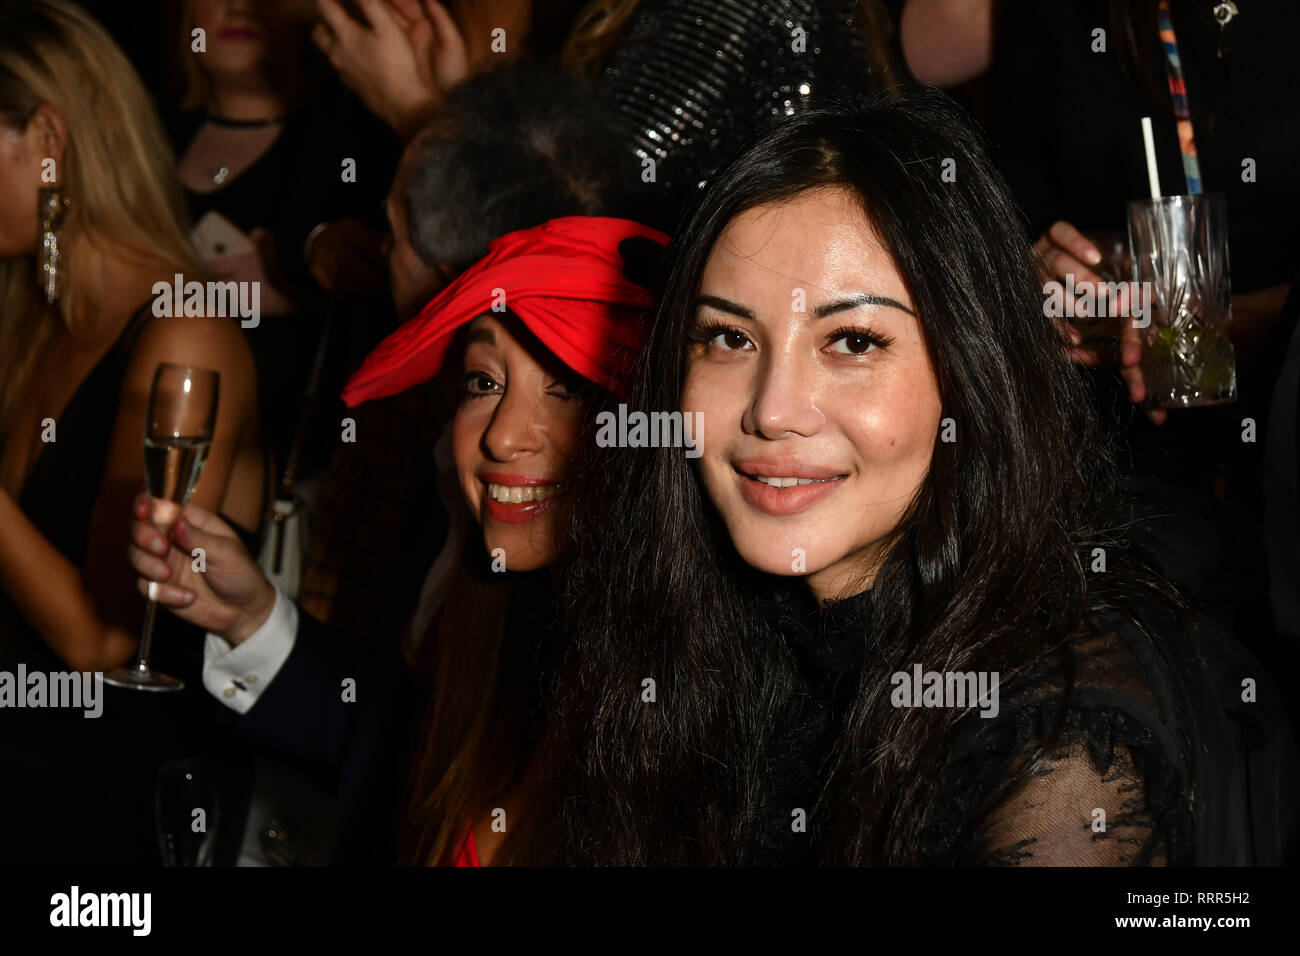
[47, 134]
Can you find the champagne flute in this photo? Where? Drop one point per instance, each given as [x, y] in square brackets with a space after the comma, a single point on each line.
[177, 434]
[187, 837]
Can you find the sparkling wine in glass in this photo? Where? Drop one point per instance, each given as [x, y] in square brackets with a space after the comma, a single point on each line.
[177, 435]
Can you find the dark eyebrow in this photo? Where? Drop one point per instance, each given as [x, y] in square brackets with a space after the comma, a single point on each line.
[853, 301]
[724, 305]
[481, 335]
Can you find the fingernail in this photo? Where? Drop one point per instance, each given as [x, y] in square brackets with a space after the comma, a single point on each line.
[1093, 257]
[153, 590]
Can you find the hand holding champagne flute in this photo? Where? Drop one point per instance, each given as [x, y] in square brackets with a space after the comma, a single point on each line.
[178, 431]
[231, 597]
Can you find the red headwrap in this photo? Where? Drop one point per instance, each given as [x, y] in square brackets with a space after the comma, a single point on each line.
[563, 279]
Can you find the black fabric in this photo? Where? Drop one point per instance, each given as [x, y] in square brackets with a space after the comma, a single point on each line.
[365, 750]
[1188, 772]
[1202, 547]
[60, 492]
[362, 749]
[1282, 480]
[253, 198]
[83, 788]
[1155, 733]
[297, 183]
[84, 432]
[357, 748]
[290, 189]
[693, 80]
[828, 651]
[1068, 134]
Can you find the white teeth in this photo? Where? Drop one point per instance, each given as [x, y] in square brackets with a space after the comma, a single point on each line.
[519, 494]
[776, 482]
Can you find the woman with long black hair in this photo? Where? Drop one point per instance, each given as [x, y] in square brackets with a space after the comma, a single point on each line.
[894, 612]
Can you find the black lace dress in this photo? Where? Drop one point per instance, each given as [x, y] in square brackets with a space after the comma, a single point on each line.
[1157, 760]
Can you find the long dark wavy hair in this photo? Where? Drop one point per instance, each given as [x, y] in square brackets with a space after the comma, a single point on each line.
[988, 569]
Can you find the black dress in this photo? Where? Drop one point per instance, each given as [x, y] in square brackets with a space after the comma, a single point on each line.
[283, 345]
[75, 789]
[1155, 735]
[292, 187]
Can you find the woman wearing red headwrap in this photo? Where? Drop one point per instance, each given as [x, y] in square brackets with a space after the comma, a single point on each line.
[546, 316]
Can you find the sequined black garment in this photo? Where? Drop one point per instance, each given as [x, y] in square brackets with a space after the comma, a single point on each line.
[693, 79]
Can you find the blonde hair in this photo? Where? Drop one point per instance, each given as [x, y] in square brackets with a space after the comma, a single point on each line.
[117, 169]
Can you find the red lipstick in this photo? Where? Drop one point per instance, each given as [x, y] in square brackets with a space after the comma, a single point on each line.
[522, 512]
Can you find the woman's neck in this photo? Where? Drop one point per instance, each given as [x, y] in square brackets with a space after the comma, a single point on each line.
[250, 103]
[844, 579]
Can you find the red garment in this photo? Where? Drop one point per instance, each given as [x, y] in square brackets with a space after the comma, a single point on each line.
[563, 279]
[468, 855]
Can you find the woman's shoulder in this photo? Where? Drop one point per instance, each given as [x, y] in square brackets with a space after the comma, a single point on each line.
[1126, 656]
[202, 340]
[1137, 741]
[210, 342]
[1080, 763]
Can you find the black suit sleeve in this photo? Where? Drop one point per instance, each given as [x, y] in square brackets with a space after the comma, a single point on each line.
[345, 711]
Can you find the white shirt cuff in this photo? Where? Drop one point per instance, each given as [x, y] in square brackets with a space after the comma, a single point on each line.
[236, 676]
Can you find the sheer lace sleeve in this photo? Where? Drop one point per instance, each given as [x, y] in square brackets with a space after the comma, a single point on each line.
[1108, 790]
[1075, 812]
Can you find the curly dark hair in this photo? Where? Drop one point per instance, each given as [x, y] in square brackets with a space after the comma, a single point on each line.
[510, 149]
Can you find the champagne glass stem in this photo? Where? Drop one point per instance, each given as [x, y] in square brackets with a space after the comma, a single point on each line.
[146, 635]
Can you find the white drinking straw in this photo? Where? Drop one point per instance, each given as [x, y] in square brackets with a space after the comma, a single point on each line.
[1150, 144]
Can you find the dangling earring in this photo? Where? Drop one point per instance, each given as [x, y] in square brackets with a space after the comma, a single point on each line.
[50, 208]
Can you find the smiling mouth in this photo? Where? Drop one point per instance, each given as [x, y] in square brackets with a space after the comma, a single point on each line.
[770, 487]
[521, 494]
[776, 481]
[519, 502]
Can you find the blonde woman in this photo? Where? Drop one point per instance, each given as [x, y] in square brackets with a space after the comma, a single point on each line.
[90, 221]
